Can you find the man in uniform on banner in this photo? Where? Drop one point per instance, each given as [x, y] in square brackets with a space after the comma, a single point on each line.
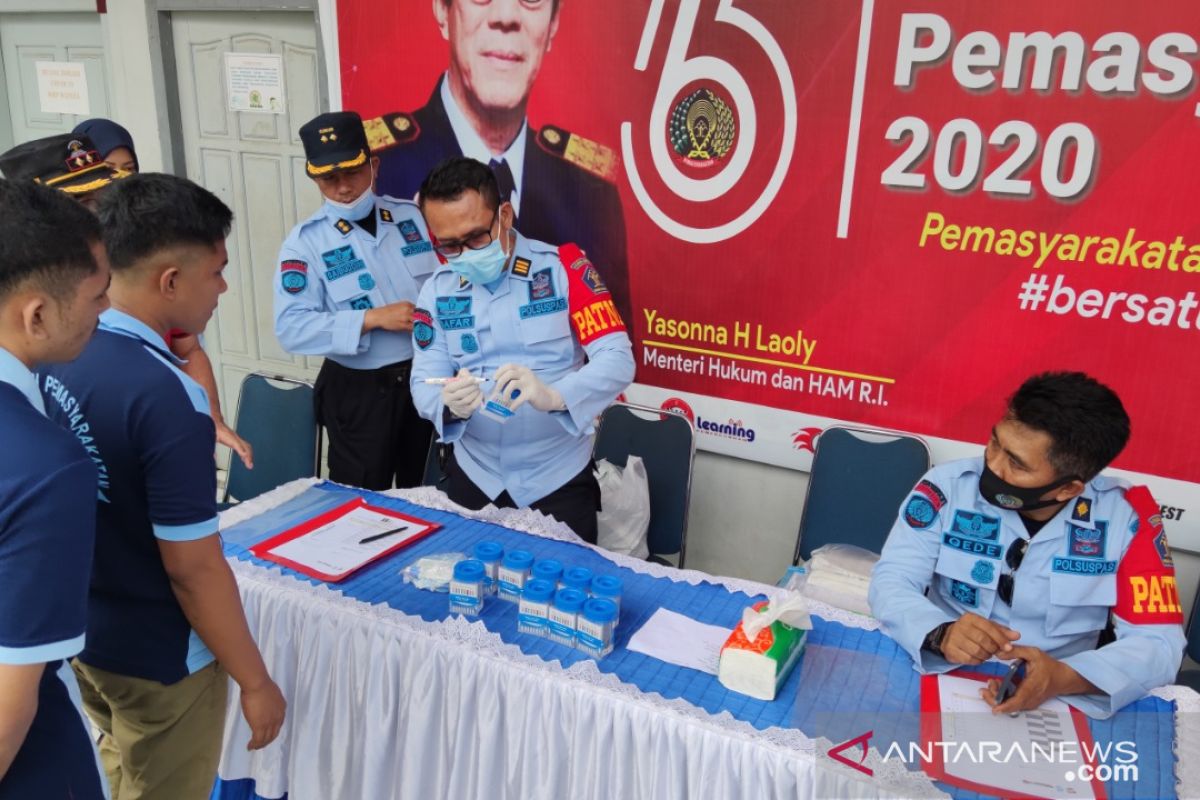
[1029, 553]
[560, 185]
[527, 326]
[348, 278]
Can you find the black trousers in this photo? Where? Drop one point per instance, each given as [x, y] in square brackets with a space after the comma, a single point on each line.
[376, 437]
[574, 503]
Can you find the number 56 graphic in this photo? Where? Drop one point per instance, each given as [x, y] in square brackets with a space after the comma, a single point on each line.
[679, 71]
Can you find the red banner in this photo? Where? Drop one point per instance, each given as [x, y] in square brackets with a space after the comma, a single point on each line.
[884, 212]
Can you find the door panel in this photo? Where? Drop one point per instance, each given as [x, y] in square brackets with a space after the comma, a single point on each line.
[254, 162]
[26, 39]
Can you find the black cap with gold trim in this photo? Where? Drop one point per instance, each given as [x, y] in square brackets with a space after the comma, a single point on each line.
[68, 161]
[333, 142]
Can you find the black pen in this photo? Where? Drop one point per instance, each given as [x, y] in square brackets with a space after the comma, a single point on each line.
[376, 537]
[1008, 686]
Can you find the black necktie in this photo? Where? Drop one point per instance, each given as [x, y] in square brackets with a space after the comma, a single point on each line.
[504, 178]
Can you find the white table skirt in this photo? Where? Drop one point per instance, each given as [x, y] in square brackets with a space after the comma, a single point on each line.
[385, 705]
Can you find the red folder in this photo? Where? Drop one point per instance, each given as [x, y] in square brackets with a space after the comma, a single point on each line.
[263, 549]
[931, 731]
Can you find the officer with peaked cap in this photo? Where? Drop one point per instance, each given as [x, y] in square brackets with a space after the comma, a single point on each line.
[348, 279]
[68, 162]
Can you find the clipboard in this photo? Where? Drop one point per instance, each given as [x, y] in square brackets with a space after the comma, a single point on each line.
[932, 731]
[420, 529]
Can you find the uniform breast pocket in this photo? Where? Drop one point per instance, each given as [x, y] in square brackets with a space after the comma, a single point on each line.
[546, 328]
[353, 289]
[967, 581]
[1079, 603]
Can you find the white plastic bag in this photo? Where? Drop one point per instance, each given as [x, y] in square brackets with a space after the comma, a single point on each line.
[625, 498]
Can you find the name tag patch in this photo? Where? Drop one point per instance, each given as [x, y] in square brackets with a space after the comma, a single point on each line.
[541, 307]
[969, 544]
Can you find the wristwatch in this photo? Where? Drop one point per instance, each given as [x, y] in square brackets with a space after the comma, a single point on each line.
[933, 641]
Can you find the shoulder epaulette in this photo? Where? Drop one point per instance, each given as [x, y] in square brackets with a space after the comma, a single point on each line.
[589, 156]
[390, 130]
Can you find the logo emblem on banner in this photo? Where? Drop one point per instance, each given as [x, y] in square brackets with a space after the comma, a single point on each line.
[702, 129]
[678, 406]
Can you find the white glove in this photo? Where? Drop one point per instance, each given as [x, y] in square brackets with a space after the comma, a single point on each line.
[514, 378]
[462, 395]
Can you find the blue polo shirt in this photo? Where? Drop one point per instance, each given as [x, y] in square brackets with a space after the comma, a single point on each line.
[47, 529]
[146, 426]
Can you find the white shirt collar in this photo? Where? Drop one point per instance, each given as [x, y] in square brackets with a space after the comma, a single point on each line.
[15, 373]
[473, 146]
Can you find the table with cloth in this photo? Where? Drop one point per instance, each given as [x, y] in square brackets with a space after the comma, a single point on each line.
[389, 696]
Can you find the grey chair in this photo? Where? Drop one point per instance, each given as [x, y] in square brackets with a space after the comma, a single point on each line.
[858, 479]
[666, 443]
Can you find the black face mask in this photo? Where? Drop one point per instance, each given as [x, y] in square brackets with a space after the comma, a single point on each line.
[1000, 492]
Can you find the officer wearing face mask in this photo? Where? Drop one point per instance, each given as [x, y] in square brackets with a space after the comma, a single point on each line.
[348, 277]
[536, 324]
[1029, 553]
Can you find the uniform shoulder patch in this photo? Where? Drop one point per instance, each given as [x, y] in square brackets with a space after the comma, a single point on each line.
[293, 276]
[1146, 589]
[923, 505]
[390, 130]
[589, 156]
[422, 332]
[593, 313]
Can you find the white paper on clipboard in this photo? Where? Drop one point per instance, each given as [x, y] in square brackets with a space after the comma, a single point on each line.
[1024, 739]
[336, 547]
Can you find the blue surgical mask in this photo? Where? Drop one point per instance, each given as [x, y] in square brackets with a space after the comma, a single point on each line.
[481, 267]
[358, 208]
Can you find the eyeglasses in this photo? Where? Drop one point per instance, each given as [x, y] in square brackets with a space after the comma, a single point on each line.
[474, 241]
[1014, 557]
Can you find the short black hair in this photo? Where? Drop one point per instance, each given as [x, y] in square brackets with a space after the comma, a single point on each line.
[458, 174]
[1084, 418]
[149, 212]
[45, 236]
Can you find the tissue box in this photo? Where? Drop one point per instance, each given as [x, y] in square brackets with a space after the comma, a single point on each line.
[758, 668]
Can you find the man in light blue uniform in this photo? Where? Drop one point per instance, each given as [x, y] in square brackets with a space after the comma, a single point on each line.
[538, 325]
[348, 277]
[1028, 553]
[53, 281]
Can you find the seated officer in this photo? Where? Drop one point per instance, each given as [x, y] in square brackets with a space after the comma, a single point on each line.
[1029, 553]
[538, 324]
[348, 278]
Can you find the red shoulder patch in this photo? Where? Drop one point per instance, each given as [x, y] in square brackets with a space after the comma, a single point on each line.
[1146, 589]
[593, 313]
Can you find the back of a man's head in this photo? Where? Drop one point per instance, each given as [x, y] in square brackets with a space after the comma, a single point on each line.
[451, 178]
[146, 214]
[45, 240]
[1084, 418]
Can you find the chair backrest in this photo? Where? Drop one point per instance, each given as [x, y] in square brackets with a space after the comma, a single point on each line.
[858, 480]
[1193, 631]
[280, 424]
[434, 473]
[666, 443]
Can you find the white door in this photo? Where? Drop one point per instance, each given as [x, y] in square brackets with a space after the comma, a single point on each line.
[26, 39]
[254, 162]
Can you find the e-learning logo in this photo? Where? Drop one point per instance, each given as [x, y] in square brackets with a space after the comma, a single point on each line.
[734, 429]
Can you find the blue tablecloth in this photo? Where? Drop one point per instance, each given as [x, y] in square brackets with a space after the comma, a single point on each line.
[848, 681]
